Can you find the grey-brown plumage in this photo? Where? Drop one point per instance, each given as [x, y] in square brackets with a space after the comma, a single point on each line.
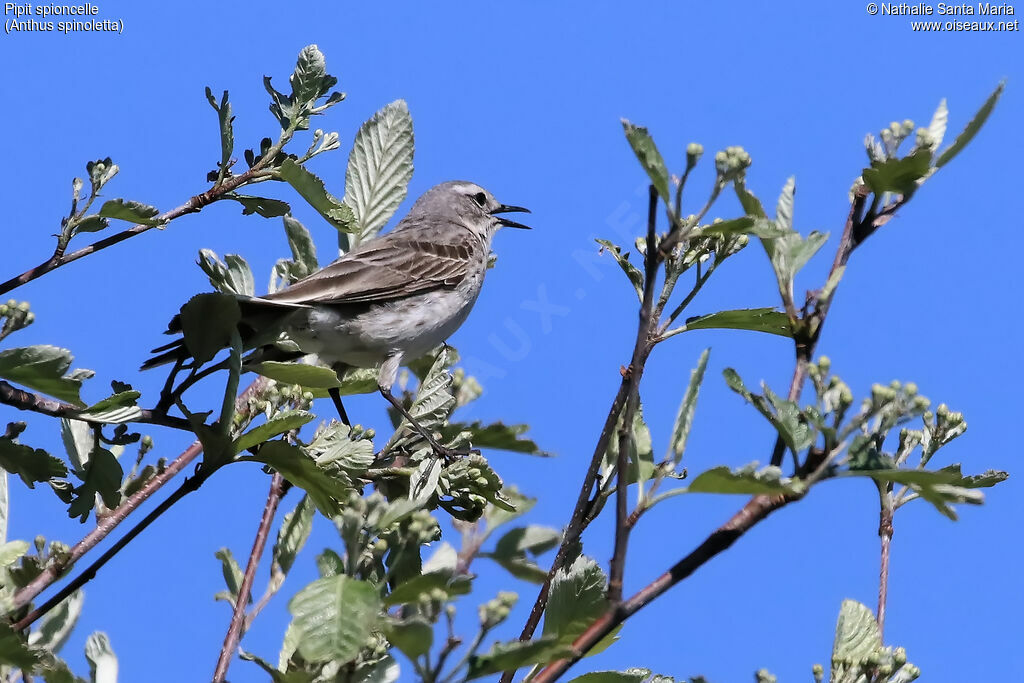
[392, 298]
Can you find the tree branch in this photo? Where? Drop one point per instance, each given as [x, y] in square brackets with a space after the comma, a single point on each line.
[757, 509]
[107, 524]
[193, 205]
[278, 487]
[24, 400]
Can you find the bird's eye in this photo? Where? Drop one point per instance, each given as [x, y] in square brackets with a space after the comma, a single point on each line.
[480, 198]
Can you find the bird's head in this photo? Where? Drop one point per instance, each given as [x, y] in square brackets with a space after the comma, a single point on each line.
[471, 205]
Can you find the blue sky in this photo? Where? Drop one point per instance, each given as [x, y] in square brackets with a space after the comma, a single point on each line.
[525, 99]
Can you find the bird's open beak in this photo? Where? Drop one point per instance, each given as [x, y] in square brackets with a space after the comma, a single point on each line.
[504, 208]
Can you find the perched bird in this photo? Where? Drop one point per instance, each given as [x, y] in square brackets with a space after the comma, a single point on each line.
[389, 300]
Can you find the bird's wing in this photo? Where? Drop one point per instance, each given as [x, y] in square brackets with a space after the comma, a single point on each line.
[390, 267]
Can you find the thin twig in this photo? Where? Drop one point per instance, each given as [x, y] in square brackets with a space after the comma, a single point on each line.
[641, 350]
[885, 531]
[277, 490]
[756, 510]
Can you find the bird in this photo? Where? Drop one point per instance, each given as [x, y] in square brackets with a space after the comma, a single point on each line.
[389, 300]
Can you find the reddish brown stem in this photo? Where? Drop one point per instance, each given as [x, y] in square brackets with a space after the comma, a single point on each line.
[885, 531]
[278, 487]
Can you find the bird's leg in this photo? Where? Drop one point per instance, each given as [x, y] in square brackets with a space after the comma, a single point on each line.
[336, 398]
[448, 454]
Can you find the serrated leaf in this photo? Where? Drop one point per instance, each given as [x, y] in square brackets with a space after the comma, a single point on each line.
[231, 276]
[496, 435]
[294, 531]
[496, 517]
[225, 119]
[754, 319]
[278, 424]
[899, 176]
[413, 637]
[576, 599]
[207, 323]
[937, 128]
[751, 204]
[232, 576]
[972, 128]
[379, 168]
[745, 225]
[650, 158]
[515, 655]
[521, 568]
[263, 206]
[334, 446]
[103, 664]
[857, 636]
[627, 676]
[55, 627]
[102, 475]
[302, 247]
[533, 539]
[747, 480]
[424, 479]
[42, 368]
[131, 211]
[684, 417]
[307, 80]
[14, 651]
[324, 488]
[334, 617]
[31, 464]
[93, 223]
[11, 552]
[312, 189]
[116, 409]
[421, 586]
[622, 258]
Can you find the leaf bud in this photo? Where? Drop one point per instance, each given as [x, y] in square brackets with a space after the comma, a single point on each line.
[824, 364]
[910, 388]
[899, 656]
[3, 310]
[23, 307]
[30, 318]
[694, 151]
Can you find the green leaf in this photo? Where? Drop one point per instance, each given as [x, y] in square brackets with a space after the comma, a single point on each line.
[133, 212]
[102, 475]
[301, 244]
[325, 488]
[745, 225]
[520, 567]
[627, 676]
[413, 637]
[622, 258]
[747, 480]
[93, 223]
[420, 587]
[329, 563]
[231, 276]
[278, 424]
[755, 319]
[232, 576]
[334, 446]
[857, 635]
[14, 651]
[115, 409]
[312, 189]
[102, 660]
[307, 80]
[431, 407]
[298, 676]
[334, 617]
[379, 168]
[497, 435]
[225, 119]
[684, 417]
[263, 206]
[496, 517]
[32, 465]
[295, 529]
[56, 625]
[42, 368]
[751, 204]
[650, 158]
[972, 128]
[11, 552]
[515, 655]
[207, 323]
[308, 376]
[937, 128]
[576, 599]
[533, 539]
[900, 176]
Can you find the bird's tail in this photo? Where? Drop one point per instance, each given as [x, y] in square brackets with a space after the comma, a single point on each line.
[258, 316]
